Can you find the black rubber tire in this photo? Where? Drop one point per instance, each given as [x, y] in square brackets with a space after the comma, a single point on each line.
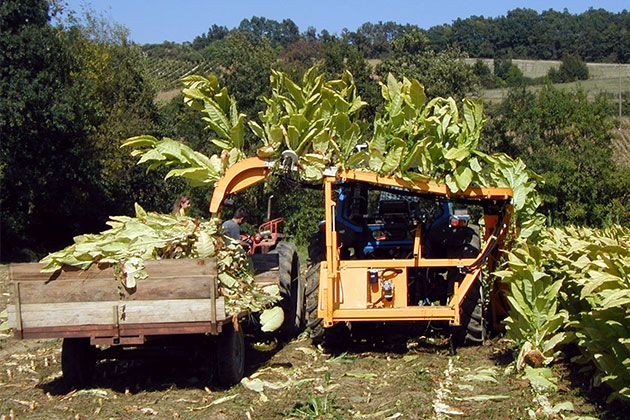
[472, 330]
[230, 351]
[313, 323]
[78, 361]
[292, 289]
[331, 337]
[317, 247]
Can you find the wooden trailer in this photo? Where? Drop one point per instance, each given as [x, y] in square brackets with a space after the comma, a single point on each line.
[90, 308]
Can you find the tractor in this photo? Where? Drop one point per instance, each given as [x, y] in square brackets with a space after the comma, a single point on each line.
[392, 249]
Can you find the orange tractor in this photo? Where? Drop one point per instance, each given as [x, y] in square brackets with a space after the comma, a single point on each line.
[391, 249]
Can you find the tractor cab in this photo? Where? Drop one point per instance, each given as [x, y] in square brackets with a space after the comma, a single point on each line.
[380, 222]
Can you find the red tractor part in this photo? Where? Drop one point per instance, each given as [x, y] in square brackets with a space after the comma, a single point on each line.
[266, 238]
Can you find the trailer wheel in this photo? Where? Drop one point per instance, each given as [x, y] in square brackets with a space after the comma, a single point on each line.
[230, 351]
[78, 361]
[291, 289]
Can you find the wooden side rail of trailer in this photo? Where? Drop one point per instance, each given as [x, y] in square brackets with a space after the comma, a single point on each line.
[177, 297]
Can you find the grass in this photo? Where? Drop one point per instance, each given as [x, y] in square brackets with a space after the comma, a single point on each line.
[603, 77]
[317, 407]
[592, 87]
[539, 68]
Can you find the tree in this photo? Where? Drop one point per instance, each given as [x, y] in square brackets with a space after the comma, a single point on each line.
[508, 73]
[571, 69]
[43, 126]
[215, 33]
[277, 33]
[300, 55]
[443, 73]
[69, 95]
[373, 40]
[243, 62]
[595, 35]
[566, 139]
[486, 78]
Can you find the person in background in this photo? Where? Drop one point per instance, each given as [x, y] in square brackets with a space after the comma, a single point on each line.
[181, 205]
[232, 227]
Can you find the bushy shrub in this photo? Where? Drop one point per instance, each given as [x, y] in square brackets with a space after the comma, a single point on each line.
[571, 69]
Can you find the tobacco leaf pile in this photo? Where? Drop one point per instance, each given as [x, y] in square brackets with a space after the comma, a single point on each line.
[153, 236]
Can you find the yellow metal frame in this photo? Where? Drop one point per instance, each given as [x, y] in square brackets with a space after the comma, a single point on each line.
[241, 175]
[331, 280]
[251, 171]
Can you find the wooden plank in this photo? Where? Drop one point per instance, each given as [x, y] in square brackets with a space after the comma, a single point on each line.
[267, 278]
[172, 328]
[11, 316]
[95, 290]
[32, 272]
[185, 287]
[155, 269]
[77, 290]
[213, 303]
[264, 262]
[71, 331]
[18, 308]
[124, 330]
[185, 310]
[36, 315]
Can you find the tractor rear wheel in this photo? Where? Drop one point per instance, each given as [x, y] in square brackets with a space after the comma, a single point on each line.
[313, 323]
[472, 330]
[291, 289]
[330, 337]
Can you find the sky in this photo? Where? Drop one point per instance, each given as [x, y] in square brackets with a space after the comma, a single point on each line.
[155, 21]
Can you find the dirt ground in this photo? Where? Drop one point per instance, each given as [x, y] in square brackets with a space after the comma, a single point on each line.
[399, 375]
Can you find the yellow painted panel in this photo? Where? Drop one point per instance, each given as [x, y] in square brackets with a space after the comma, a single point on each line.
[354, 288]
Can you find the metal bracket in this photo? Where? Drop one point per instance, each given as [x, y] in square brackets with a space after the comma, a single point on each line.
[289, 161]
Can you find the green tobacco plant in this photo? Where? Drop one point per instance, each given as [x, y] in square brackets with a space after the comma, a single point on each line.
[220, 113]
[573, 285]
[421, 140]
[196, 168]
[594, 266]
[414, 138]
[317, 120]
[536, 321]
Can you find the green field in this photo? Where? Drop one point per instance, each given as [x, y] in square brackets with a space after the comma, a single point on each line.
[603, 77]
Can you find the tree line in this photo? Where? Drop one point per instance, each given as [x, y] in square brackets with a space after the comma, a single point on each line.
[71, 91]
[594, 35]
